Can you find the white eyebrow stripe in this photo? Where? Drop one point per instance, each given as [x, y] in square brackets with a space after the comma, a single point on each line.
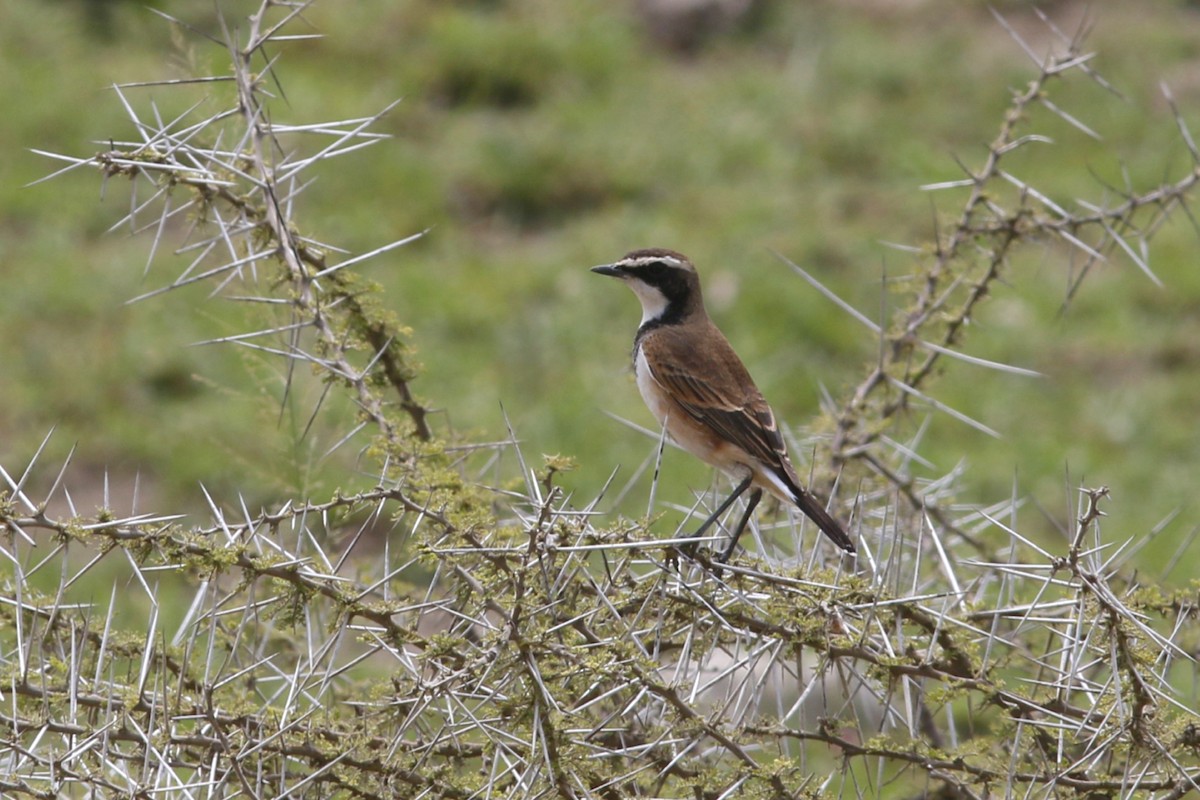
[644, 261]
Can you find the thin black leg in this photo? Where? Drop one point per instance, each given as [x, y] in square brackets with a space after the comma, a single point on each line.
[738, 490]
[755, 496]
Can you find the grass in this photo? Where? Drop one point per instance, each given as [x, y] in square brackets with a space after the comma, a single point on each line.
[536, 141]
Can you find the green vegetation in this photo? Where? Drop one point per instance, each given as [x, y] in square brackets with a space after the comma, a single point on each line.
[536, 139]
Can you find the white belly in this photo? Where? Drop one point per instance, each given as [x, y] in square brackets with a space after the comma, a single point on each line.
[652, 393]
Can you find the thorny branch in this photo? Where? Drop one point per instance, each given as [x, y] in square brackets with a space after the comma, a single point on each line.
[649, 666]
[968, 260]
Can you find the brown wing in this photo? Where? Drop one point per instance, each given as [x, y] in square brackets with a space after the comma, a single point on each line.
[712, 385]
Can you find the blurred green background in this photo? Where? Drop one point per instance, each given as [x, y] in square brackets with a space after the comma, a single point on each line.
[537, 138]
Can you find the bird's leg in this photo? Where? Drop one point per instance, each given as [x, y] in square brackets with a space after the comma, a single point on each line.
[755, 496]
[690, 547]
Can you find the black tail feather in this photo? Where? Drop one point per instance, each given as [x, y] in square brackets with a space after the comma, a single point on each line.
[829, 526]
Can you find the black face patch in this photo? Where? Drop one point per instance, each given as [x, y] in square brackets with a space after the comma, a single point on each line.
[675, 285]
[671, 281]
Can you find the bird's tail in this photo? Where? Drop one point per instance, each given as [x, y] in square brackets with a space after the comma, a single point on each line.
[829, 526]
[782, 482]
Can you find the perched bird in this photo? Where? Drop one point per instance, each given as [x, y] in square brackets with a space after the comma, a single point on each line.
[700, 391]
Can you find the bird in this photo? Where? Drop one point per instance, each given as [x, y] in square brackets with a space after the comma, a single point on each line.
[702, 394]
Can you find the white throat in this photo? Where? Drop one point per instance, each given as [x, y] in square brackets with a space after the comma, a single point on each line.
[654, 302]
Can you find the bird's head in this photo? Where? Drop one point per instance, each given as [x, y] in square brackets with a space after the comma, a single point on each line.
[664, 281]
